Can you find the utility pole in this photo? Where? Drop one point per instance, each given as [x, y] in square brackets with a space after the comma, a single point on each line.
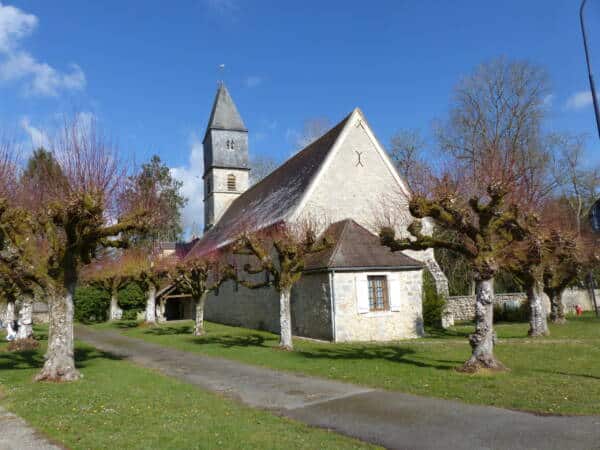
[589, 67]
[591, 283]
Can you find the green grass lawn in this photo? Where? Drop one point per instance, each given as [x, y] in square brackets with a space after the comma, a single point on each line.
[559, 374]
[118, 405]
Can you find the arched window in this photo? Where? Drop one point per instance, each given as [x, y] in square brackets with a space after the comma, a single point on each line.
[231, 182]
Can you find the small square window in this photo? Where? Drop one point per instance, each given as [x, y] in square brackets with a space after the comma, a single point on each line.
[378, 293]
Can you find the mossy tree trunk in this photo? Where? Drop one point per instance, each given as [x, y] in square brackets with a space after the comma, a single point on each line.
[285, 319]
[161, 310]
[25, 321]
[483, 339]
[115, 312]
[538, 325]
[557, 309]
[199, 320]
[60, 359]
[150, 316]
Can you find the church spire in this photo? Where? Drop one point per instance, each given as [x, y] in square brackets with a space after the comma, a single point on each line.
[225, 157]
[224, 115]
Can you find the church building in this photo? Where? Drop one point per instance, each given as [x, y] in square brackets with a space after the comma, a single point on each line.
[356, 290]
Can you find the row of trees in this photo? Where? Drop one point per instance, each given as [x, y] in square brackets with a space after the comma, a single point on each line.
[69, 206]
[506, 197]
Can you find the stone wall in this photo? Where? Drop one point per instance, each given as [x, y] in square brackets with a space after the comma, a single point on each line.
[462, 307]
[406, 322]
[259, 308]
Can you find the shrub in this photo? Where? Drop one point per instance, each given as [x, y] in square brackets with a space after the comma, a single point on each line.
[91, 304]
[132, 300]
[433, 303]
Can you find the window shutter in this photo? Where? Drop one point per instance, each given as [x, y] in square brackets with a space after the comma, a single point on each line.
[362, 294]
[396, 294]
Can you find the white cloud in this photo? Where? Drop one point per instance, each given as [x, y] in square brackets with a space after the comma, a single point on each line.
[253, 81]
[17, 64]
[548, 100]
[579, 100]
[193, 186]
[37, 137]
[14, 25]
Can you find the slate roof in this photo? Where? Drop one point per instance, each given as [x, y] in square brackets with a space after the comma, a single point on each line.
[356, 247]
[224, 115]
[274, 198]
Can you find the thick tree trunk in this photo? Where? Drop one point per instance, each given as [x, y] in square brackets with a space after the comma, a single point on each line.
[538, 325]
[285, 320]
[60, 361]
[115, 312]
[483, 339]
[9, 319]
[161, 310]
[557, 309]
[151, 304]
[25, 321]
[199, 324]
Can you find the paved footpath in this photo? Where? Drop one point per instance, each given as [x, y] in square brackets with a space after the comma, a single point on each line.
[391, 419]
[15, 434]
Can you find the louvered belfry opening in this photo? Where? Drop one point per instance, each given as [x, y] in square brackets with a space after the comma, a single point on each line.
[231, 182]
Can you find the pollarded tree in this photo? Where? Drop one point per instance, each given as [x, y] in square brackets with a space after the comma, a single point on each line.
[151, 271]
[483, 229]
[562, 267]
[280, 252]
[197, 277]
[526, 260]
[80, 218]
[111, 273]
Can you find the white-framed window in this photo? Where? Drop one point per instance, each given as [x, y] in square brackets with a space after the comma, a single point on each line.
[379, 292]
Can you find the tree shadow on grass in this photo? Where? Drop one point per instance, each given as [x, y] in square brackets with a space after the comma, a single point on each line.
[440, 333]
[579, 375]
[390, 353]
[34, 359]
[126, 324]
[172, 330]
[229, 341]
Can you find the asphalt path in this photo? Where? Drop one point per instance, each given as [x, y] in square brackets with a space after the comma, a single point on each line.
[390, 419]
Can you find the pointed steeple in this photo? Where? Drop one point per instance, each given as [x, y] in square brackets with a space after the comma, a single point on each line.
[224, 115]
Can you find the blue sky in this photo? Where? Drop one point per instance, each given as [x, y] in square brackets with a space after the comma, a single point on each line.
[148, 69]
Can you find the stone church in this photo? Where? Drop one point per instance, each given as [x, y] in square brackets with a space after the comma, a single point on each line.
[356, 290]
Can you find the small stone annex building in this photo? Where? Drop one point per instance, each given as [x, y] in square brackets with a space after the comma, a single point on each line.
[357, 290]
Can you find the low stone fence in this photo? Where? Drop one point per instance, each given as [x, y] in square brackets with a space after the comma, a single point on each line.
[462, 307]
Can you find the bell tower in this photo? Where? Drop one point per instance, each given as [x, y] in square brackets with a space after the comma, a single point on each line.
[226, 167]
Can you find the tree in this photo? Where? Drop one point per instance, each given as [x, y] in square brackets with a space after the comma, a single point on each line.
[197, 277]
[561, 269]
[111, 273]
[406, 151]
[494, 131]
[578, 181]
[151, 270]
[155, 188]
[74, 225]
[526, 260]
[280, 252]
[483, 229]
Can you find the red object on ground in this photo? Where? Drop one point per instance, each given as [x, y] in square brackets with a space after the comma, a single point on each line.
[578, 310]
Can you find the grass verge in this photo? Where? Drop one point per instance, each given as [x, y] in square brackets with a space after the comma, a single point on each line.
[557, 375]
[118, 405]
